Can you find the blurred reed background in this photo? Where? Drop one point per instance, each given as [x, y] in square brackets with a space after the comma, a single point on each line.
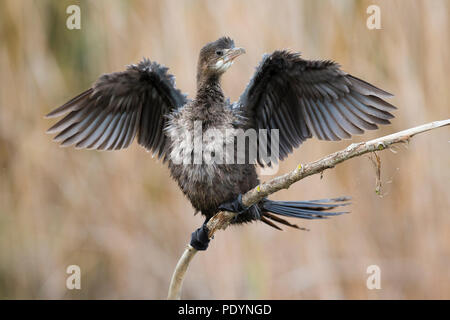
[124, 222]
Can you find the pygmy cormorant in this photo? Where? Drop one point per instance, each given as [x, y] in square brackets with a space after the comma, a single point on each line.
[300, 98]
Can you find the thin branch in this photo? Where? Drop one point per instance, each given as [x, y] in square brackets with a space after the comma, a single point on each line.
[222, 219]
[177, 278]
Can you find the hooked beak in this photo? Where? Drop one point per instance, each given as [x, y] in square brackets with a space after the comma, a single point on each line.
[227, 59]
[233, 53]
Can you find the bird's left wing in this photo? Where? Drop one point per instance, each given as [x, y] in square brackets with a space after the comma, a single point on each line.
[118, 107]
[301, 98]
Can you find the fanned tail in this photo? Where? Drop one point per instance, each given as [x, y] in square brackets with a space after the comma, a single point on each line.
[313, 209]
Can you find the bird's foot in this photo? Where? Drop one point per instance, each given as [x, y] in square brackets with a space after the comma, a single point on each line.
[234, 206]
[200, 238]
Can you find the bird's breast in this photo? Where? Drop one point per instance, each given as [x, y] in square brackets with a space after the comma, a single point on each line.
[200, 151]
[202, 158]
[205, 139]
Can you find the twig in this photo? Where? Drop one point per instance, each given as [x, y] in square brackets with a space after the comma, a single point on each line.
[222, 219]
[377, 164]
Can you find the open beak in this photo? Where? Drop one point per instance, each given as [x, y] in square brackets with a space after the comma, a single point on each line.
[233, 53]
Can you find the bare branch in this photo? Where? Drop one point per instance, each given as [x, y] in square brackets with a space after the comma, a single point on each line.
[180, 270]
[222, 219]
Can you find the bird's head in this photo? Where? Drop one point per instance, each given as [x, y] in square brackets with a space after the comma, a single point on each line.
[216, 57]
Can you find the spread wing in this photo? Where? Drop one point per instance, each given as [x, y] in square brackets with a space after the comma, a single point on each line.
[118, 107]
[302, 98]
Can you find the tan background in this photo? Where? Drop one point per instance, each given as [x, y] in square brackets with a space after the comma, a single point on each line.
[124, 222]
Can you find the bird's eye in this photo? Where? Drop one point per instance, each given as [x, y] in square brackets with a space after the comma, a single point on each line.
[219, 52]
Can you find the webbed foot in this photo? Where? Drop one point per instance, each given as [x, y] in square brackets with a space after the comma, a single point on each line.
[234, 206]
[200, 238]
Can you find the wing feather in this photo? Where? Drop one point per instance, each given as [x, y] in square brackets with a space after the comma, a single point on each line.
[120, 139]
[106, 134]
[90, 130]
[302, 98]
[119, 107]
[98, 133]
[109, 144]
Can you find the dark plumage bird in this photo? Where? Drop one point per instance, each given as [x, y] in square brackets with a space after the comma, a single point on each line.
[298, 97]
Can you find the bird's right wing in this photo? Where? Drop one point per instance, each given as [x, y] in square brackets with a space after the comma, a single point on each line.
[118, 107]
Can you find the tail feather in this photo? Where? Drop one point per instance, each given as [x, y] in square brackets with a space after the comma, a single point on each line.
[301, 213]
[313, 209]
[282, 221]
[270, 223]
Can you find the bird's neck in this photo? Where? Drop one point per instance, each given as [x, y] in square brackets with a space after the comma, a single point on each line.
[209, 90]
